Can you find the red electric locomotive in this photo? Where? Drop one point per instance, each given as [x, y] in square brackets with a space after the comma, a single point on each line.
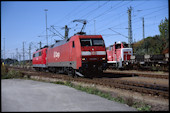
[39, 59]
[118, 55]
[80, 55]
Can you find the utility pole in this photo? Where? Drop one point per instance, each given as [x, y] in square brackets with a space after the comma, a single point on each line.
[17, 54]
[129, 27]
[30, 53]
[20, 59]
[66, 32]
[40, 44]
[23, 53]
[13, 57]
[143, 28]
[46, 25]
[4, 48]
[94, 27]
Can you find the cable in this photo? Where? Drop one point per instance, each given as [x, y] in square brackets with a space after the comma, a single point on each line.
[107, 11]
[137, 18]
[117, 16]
[95, 9]
[115, 9]
[69, 13]
[72, 12]
[150, 8]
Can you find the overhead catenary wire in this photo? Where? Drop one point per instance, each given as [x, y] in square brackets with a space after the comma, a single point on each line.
[91, 12]
[116, 16]
[66, 16]
[75, 10]
[87, 14]
[110, 10]
[121, 6]
[133, 19]
[150, 13]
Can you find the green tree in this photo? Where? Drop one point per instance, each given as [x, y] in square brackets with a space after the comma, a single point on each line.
[150, 45]
[164, 32]
[154, 44]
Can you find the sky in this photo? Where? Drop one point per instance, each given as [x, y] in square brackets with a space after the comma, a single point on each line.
[25, 21]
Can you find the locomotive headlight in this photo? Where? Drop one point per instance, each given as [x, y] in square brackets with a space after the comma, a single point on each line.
[103, 58]
[83, 58]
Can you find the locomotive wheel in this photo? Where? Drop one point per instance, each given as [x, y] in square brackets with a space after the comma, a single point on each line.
[71, 72]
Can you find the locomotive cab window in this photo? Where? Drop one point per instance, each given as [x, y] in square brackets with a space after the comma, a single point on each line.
[125, 45]
[92, 42]
[40, 53]
[37, 54]
[73, 45]
[118, 46]
[98, 42]
[85, 42]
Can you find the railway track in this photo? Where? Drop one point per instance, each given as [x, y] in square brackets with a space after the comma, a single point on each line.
[137, 87]
[140, 74]
[140, 87]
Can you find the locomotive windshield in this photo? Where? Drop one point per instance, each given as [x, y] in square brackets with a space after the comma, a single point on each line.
[85, 42]
[98, 42]
[92, 42]
[117, 46]
[125, 45]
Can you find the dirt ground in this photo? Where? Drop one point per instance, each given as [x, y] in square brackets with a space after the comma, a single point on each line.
[137, 71]
[154, 81]
[157, 103]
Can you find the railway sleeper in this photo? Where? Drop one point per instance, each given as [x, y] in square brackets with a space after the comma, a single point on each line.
[149, 86]
[164, 94]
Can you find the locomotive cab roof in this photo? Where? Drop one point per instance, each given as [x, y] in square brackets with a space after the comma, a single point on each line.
[119, 42]
[60, 42]
[43, 47]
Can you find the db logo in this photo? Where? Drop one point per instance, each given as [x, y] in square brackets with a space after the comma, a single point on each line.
[93, 53]
[56, 54]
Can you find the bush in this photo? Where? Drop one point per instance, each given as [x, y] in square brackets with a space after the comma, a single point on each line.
[12, 74]
[4, 71]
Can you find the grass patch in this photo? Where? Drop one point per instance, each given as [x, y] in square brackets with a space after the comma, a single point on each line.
[140, 106]
[4, 71]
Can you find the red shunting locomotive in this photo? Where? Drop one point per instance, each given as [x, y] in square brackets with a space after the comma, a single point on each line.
[118, 55]
[81, 55]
